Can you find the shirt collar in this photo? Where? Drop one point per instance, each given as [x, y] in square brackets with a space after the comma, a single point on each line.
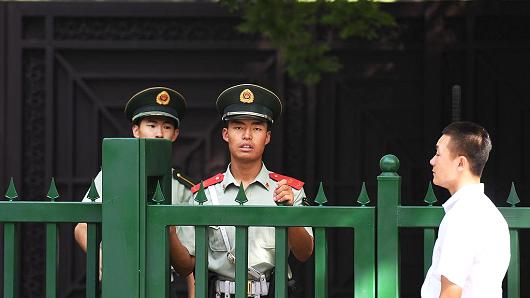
[465, 191]
[262, 178]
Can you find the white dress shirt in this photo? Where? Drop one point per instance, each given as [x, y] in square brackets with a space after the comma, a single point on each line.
[473, 246]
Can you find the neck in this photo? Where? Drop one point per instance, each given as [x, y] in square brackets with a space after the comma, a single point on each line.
[464, 181]
[245, 172]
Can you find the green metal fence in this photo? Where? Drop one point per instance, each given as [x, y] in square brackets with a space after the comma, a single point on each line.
[135, 214]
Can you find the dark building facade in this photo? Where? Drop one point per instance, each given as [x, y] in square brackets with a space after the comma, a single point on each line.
[66, 70]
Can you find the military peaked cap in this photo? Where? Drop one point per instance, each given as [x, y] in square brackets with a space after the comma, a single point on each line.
[248, 100]
[156, 101]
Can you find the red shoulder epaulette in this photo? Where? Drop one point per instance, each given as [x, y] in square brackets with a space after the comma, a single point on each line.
[208, 182]
[294, 183]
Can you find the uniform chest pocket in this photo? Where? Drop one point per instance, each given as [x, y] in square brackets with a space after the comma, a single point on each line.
[216, 239]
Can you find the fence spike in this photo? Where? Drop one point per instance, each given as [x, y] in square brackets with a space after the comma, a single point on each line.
[158, 197]
[513, 198]
[11, 193]
[201, 195]
[53, 194]
[363, 198]
[241, 197]
[93, 194]
[321, 199]
[430, 197]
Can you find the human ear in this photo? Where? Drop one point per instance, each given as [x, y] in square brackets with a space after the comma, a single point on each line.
[135, 130]
[462, 162]
[175, 135]
[268, 139]
[225, 134]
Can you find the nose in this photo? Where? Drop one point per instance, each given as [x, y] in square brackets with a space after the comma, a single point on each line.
[432, 161]
[246, 134]
[158, 132]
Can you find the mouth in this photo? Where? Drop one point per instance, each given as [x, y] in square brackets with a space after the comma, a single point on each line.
[246, 147]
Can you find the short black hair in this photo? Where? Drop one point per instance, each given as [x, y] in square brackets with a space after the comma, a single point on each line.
[470, 140]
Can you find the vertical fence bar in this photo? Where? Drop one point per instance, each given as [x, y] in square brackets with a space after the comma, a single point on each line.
[156, 273]
[242, 262]
[321, 254]
[429, 237]
[388, 199]
[364, 259]
[280, 271]
[92, 261]
[51, 260]
[10, 260]
[514, 269]
[201, 261]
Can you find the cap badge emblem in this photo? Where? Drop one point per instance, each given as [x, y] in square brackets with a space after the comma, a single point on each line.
[246, 96]
[162, 98]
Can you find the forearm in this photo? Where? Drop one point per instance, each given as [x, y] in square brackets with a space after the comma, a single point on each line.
[80, 233]
[181, 260]
[190, 281]
[301, 243]
[449, 289]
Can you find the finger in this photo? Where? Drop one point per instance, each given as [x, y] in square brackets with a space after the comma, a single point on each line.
[280, 193]
[282, 188]
[281, 183]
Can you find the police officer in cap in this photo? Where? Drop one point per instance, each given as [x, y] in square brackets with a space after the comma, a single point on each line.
[154, 113]
[248, 111]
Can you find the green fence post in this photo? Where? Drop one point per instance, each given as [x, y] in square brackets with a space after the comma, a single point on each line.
[201, 251]
[388, 199]
[128, 166]
[51, 248]
[92, 251]
[321, 251]
[514, 269]
[11, 246]
[364, 253]
[429, 234]
[10, 260]
[241, 250]
[281, 255]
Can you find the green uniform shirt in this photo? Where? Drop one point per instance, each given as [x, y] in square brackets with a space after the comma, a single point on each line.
[261, 240]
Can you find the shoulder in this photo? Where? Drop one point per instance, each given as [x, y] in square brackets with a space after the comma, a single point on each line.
[208, 182]
[294, 183]
[183, 179]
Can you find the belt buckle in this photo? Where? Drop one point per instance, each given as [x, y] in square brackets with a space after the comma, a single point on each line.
[249, 288]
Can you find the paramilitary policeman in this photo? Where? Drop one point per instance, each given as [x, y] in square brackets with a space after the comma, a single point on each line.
[248, 112]
[154, 113]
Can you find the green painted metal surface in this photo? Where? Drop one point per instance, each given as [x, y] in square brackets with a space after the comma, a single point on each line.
[201, 263]
[136, 213]
[51, 260]
[242, 261]
[11, 259]
[280, 270]
[49, 212]
[321, 263]
[133, 166]
[92, 261]
[388, 198]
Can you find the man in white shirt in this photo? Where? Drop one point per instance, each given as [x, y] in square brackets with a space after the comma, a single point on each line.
[472, 252]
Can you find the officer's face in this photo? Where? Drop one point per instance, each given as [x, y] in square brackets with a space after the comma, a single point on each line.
[246, 139]
[156, 127]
